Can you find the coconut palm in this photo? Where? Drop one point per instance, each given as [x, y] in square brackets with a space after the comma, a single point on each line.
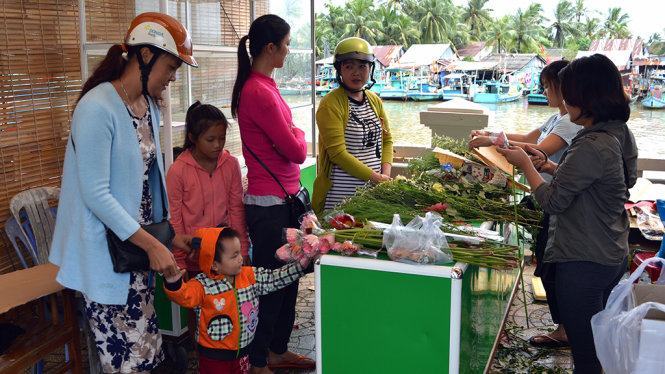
[499, 34]
[360, 21]
[476, 17]
[590, 28]
[563, 22]
[436, 19]
[616, 24]
[580, 10]
[528, 34]
[404, 31]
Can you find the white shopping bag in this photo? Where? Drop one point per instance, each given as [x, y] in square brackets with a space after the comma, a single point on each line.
[617, 329]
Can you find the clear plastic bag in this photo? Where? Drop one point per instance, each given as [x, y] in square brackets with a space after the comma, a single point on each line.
[617, 329]
[499, 139]
[649, 223]
[421, 241]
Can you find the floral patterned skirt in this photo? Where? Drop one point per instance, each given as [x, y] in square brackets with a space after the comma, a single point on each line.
[127, 336]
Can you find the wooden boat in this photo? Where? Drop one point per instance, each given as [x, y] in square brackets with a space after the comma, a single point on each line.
[498, 92]
[420, 89]
[652, 102]
[396, 84]
[457, 85]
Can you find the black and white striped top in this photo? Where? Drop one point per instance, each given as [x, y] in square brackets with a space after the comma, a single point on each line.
[363, 137]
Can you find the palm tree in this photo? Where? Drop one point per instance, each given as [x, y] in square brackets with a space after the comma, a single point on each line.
[580, 10]
[360, 21]
[528, 33]
[616, 24]
[405, 32]
[476, 17]
[563, 22]
[499, 34]
[436, 19]
[590, 28]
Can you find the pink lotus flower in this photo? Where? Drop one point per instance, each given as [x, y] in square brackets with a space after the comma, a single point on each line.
[284, 253]
[324, 246]
[310, 245]
[310, 223]
[292, 235]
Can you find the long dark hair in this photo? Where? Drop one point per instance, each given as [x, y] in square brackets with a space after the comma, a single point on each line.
[111, 67]
[264, 30]
[594, 85]
[550, 73]
[199, 118]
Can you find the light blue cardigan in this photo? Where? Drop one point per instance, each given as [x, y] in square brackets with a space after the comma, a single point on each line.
[101, 185]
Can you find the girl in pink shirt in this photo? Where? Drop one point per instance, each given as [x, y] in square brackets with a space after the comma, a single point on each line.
[268, 134]
[204, 183]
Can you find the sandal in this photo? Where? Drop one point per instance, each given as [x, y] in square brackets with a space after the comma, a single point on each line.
[300, 362]
[546, 341]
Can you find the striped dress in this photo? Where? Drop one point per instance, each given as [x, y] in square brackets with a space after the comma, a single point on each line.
[363, 137]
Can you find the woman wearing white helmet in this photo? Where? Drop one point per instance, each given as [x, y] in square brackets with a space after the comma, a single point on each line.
[113, 187]
[355, 144]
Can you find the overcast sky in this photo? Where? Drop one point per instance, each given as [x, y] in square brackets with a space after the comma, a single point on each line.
[646, 16]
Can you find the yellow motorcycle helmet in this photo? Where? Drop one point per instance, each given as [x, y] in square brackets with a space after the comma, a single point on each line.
[354, 48]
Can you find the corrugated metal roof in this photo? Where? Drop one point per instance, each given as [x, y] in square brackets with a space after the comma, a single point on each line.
[387, 54]
[423, 54]
[511, 61]
[634, 46]
[620, 58]
[471, 49]
[470, 65]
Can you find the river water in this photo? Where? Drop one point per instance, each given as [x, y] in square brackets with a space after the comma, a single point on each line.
[648, 126]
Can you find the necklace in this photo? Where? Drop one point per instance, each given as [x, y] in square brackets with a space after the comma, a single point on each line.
[122, 85]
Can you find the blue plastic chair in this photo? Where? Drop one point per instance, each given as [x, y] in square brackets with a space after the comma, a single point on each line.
[19, 241]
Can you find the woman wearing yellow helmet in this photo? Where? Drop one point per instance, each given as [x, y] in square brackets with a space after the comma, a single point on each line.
[355, 144]
[113, 186]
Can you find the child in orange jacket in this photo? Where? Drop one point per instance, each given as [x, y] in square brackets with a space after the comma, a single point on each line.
[225, 297]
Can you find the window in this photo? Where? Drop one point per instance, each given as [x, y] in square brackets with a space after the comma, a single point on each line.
[215, 27]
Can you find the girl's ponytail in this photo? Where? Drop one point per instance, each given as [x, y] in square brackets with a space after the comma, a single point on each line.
[266, 29]
[244, 68]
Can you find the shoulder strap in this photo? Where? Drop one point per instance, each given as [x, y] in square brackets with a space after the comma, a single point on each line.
[265, 167]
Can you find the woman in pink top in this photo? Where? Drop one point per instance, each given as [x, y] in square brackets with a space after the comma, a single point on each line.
[268, 134]
[204, 183]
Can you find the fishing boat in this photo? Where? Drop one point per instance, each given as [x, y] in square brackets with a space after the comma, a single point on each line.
[326, 81]
[651, 101]
[536, 98]
[396, 84]
[498, 92]
[654, 98]
[458, 85]
[421, 89]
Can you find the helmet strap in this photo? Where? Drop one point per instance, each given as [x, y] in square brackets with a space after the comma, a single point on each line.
[365, 87]
[146, 67]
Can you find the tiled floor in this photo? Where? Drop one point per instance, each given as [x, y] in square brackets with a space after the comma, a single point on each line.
[514, 356]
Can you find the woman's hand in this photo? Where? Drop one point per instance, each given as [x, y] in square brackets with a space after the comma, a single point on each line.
[480, 141]
[475, 133]
[174, 278]
[378, 178]
[162, 260]
[184, 242]
[516, 156]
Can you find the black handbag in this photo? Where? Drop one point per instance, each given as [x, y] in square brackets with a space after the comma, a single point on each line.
[127, 256]
[298, 203]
